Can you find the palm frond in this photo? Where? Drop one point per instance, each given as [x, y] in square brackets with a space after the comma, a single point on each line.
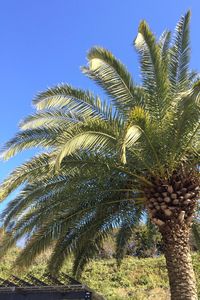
[86, 140]
[28, 171]
[125, 233]
[75, 101]
[155, 79]
[164, 43]
[122, 240]
[51, 118]
[180, 56]
[130, 137]
[113, 77]
[39, 137]
[186, 123]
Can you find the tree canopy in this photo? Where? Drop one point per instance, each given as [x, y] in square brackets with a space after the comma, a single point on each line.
[100, 157]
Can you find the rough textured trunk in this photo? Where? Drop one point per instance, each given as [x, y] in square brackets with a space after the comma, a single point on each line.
[171, 203]
[178, 259]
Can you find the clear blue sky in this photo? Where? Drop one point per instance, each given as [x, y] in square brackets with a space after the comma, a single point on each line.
[44, 42]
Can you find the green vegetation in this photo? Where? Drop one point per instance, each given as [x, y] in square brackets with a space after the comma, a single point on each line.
[136, 279]
[108, 165]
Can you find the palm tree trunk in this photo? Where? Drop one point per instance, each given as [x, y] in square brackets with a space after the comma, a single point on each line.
[178, 259]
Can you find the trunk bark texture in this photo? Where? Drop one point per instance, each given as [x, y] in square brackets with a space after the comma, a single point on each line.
[178, 259]
[171, 203]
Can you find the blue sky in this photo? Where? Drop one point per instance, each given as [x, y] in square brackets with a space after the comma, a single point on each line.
[44, 42]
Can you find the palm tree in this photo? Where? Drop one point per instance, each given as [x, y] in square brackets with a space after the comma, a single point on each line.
[109, 164]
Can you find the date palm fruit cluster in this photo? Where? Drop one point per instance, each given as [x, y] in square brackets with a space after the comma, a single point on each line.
[174, 198]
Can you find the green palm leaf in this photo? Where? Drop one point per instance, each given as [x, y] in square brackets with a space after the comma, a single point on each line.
[180, 56]
[113, 77]
[95, 141]
[155, 79]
